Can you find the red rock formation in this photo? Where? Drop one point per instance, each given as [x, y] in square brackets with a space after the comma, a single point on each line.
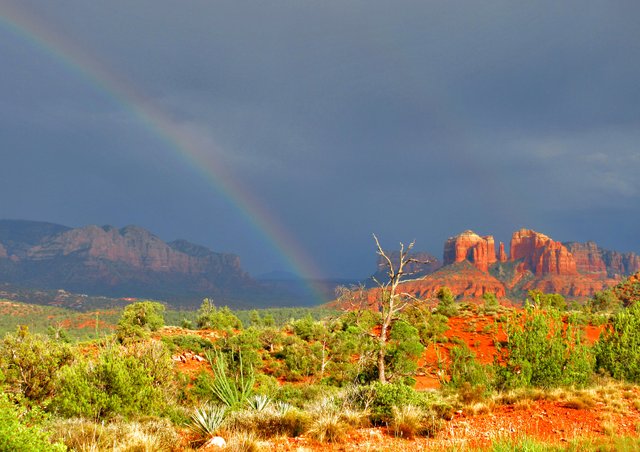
[588, 259]
[619, 264]
[572, 286]
[540, 254]
[502, 256]
[469, 246]
[3, 252]
[464, 279]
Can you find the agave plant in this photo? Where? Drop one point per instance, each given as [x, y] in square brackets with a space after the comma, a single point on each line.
[259, 402]
[207, 419]
[282, 408]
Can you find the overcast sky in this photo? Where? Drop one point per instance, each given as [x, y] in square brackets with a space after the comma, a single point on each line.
[410, 119]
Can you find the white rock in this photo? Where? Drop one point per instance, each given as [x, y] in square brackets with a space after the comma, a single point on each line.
[216, 441]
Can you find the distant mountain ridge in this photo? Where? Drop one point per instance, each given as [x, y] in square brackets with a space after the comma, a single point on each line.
[124, 262]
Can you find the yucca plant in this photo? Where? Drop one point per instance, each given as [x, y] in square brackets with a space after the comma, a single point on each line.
[233, 392]
[258, 402]
[282, 408]
[207, 420]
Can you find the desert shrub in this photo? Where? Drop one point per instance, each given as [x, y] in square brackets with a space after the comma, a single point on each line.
[543, 300]
[209, 316]
[190, 342]
[618, 349]
[541, 352]
[464, 368]
[299, 395]
[29, 363]
[17, 435]
[430, 326]
[446, 302]
[241, 349]
[308, 329]
[386, 396]
[403, 350]
[491, 304]
[139, 319]
[299, 359]
[270, 338]
[120, 381]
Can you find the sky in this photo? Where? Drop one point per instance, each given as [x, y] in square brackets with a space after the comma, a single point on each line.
[289, 131]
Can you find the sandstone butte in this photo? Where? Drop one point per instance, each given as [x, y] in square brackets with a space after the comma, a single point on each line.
[535, 261]
[469, 246]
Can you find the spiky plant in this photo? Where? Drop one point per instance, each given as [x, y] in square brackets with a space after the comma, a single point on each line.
[207, 419]
[233, 392]
[258, 402]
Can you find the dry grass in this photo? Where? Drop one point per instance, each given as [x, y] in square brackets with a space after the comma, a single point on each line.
[608, 425]
[269, 422]
[243, 442]
[407, 421]
[328, 426]
[118, 436]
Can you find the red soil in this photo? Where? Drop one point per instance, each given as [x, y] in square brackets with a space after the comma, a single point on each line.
[549, 421]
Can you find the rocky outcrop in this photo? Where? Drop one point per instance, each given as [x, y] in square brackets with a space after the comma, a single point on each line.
[464, 279]
[600, 263]
[469, 246]
[572, 286]
[541, 255]
[502, 256]
[621, 264]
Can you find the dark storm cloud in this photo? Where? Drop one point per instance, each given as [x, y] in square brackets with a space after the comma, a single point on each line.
[410, 119]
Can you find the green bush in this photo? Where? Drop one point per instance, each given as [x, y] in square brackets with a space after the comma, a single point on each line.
[430, 326]
[465, 370]
[299, 359]
[403, 350]
[540, 351]
[187, 342]
[29, 363]
[605, 300]
[211, 317]
[491, 304]
[618, 349]
[15, 435]
[139, 319]
[120, 381]
[386, 396]
[446, 305]
[543, 300]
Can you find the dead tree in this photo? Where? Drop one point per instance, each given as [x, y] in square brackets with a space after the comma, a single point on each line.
[390, 300]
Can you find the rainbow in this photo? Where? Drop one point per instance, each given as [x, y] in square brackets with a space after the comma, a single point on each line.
[194, 154]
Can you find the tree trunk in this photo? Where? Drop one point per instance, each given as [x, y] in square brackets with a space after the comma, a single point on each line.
[382, 345]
